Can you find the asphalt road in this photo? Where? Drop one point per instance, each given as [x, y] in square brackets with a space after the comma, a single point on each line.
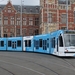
[25, 63]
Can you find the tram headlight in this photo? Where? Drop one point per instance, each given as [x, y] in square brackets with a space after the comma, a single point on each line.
[66, 50]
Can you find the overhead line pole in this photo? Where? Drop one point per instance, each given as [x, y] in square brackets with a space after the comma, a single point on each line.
[1, 24]
[47, 17]
[21, 20]
[57, 15]
[67, 14]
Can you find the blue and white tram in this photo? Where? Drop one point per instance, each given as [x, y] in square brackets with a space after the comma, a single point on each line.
[63, 43]
[14, 44]
[28, 43]
[60, 43]
[42, 43]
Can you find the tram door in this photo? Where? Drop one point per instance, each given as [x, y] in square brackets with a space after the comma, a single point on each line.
[52, 45]
[11, 45]
[14, 45]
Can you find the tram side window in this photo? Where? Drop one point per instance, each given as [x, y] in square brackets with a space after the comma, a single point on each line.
[36, 44]
[9, 43]
[2, 43]
[60, 41]
[45, 44]
[18, 43]
[40, 41]
[48, 42]
[27, 43]
[53, 42]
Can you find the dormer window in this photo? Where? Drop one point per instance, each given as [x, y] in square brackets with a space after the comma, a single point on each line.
[24, 9]
[30, 10]
[36, 9]
[18, 9]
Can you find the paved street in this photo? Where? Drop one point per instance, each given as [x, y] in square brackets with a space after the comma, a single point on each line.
[25, 63]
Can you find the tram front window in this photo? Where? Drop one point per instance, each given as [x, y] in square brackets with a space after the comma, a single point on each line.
[69, 40]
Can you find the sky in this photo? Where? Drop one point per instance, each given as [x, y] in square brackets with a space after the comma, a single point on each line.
[18, 2]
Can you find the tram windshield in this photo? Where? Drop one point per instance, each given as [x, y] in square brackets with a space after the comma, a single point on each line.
[69, 40]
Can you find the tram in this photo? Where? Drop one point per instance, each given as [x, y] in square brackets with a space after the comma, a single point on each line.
[59, 43]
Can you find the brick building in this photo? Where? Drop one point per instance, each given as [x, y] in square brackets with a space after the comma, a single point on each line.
[10, 20]
[54, 15]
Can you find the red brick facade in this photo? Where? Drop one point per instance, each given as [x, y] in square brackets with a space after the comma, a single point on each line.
[58, 13]
[10, 20]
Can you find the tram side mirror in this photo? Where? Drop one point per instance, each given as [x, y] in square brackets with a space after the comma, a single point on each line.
[60, 41]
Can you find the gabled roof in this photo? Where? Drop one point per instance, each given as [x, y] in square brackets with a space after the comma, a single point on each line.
[25, 9]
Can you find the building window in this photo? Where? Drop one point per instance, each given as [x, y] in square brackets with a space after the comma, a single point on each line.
[63, 18]
[49, 17]
[36, 32]
[74, 17]
[5, 10]
[36, 21]
[30, 21]
[18, 32]
[63, 28]
[11, 34]
[9, 9]
[12, 21]
[31, 32]
[18, 21]
[5, 20]
[5, 30]
[12, 10]
[24, 9]
[63, 1]
[24, 21]
[24, 31]
[12, 30]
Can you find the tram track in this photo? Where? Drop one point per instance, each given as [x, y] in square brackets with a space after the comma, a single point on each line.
[69, 63]
[7, 70]
[31, 61]
[45, 67]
